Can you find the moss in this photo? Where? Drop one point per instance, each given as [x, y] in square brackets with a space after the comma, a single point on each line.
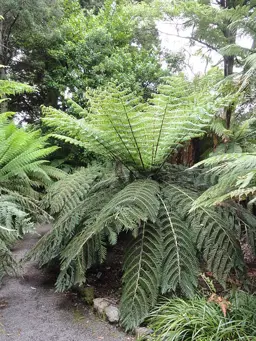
[87, 295]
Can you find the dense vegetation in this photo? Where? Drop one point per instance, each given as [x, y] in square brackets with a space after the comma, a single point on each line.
[129, 123]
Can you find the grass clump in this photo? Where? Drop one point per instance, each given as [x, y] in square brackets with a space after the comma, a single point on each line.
[199, 319]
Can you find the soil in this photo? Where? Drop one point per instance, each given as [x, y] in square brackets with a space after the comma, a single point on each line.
[31, 310]
[107, 278]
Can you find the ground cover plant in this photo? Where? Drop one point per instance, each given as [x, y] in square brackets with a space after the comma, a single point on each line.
[199, 319]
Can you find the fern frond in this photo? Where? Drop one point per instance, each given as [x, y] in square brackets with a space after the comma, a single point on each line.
[237, 178]
[72, 201]
[8, 87]
[218, 127]
[141, 135]
[234, 50]
[214, 232]
[180, 267]
[216, 238]
[67, 193]
[93, 252]
[8, 264]
[14, 222]
[141, 279]
[135, 203]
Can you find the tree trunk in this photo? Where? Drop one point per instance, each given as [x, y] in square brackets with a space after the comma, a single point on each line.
[3, 105]
[228, 60]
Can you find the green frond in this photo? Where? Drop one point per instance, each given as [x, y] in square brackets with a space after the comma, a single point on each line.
[14, 222]
[23, 174]
[180, 266]
[214, 232]
[93, 252]
[234, 50]
[8, 264]
[141, 279]
[135, 203]
[11, 88]
[250, 62]
[218, 127]
[22, 164]
[216, 238]
[141, 135]
[236, 178]
[64, 195]
[72, 201]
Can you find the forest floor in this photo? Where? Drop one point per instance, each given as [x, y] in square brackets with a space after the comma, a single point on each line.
[31, 310]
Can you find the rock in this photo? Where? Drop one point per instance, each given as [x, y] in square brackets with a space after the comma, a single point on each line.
[112, 314]
[143, 333]
[100, 304]
[87, 294]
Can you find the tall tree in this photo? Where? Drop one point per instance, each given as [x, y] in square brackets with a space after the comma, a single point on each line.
[19, 20]
[213, 25]
[81, 48]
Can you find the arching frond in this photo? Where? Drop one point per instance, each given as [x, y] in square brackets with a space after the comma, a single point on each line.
[141, 279]
[72, 201]
[141, 135]
[214, 232]
[237, 178]
[8, 87]
[135, 203]
[180, 267]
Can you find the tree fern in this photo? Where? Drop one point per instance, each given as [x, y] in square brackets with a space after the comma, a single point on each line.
[140, 135]
[154, 204]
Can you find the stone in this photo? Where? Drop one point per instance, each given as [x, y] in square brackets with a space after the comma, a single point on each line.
[112, 314]
[143, 333]
[100, 304]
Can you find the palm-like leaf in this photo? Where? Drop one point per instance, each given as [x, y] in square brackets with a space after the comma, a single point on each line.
[141, 278]
[23, 171]
[214, 232]
[140, 135]
[180, 267]
[236, 174]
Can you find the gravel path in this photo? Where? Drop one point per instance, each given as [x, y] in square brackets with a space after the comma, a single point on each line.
[30, 310]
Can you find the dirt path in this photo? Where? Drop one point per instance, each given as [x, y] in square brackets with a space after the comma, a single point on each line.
[30, 310]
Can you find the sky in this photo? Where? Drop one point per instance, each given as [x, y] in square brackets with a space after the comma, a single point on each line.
[171, 40]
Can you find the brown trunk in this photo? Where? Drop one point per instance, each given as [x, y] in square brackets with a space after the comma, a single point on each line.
[189, 155]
